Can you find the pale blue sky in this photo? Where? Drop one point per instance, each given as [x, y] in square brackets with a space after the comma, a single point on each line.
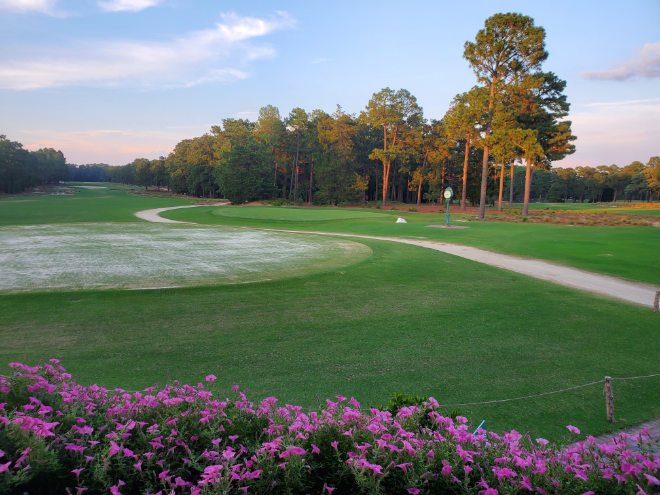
[112, 80]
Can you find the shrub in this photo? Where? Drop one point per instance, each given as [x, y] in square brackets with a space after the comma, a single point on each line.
[57, 436]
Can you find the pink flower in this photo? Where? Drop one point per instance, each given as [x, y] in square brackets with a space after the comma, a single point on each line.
[413, 491]
[5, 467]
[315, 449]
[652, 480]
[327, 488]
[573, 429]
[77, 472]
[334, 444]
[210, 378]
[114, 448]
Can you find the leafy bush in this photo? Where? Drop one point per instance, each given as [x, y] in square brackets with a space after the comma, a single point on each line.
[57, 436]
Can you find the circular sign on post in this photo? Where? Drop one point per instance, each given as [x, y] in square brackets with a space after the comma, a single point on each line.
[448, 193]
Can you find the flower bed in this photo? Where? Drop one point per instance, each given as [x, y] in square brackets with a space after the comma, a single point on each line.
[57, 436]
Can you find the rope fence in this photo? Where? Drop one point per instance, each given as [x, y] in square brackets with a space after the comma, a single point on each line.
[609, 397]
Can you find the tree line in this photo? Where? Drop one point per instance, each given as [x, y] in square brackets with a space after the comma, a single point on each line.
[21, 169]
[497, 141]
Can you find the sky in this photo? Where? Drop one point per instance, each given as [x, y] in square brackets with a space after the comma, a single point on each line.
[108, 81]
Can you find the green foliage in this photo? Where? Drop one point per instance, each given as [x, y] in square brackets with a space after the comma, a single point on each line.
[21, 170]
[399, 400]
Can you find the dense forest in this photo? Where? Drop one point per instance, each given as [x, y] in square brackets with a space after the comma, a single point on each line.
[495, 143]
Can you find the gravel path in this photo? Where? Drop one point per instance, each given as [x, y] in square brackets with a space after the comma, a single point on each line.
[632, 292]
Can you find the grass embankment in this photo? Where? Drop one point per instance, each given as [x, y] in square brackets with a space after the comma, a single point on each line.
[626, 252]
[405, 319]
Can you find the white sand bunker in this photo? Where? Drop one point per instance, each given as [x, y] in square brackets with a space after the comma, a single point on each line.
[84, 256]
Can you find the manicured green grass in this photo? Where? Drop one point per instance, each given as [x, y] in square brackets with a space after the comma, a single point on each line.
[109, 204]
[627, 252]
[405, 320]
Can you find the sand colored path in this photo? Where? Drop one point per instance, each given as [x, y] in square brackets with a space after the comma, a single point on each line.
[632, 292]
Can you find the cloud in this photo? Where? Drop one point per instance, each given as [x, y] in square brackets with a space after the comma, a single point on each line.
[127, 5]
[647, 65]
[198, 57]
[320, 60]
[42, 6]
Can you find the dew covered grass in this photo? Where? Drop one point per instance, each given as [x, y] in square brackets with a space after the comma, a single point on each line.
[107, 255]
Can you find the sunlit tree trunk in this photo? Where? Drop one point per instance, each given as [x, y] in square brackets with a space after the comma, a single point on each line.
[465, 171]
[484, 169]
[528, 186]
[499, 202]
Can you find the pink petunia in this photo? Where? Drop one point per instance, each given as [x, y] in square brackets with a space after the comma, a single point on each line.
[413, 491]
[573, 429]
[652, 480]
[210, 378]
[315, 449]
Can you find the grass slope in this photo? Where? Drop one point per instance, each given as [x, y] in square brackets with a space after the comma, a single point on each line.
[627, 252]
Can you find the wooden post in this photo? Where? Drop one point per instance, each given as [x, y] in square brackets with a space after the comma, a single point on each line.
[656, 303]
[609, 399]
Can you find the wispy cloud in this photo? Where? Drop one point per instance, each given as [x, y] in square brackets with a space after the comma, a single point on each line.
[320, 60]
[646, 64]
[199, 57]
[47, 7]
[126, 5]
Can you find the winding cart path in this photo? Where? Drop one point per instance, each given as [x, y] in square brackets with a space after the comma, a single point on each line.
[624, 290]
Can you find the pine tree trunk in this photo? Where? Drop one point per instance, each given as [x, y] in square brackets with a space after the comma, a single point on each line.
[295, 170]
[499, 202]
[465, 170]
[528, 186]
[511, 187]
[484, 167]
[311, 180]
